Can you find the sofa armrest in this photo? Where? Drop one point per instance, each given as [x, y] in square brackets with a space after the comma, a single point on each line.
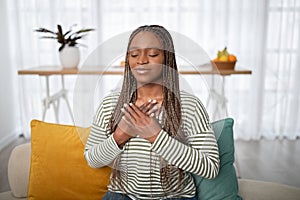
[18, 170]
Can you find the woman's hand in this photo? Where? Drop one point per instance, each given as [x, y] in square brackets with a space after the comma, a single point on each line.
[149, 107]
[126, 129]
[123, 133]
[142, 121]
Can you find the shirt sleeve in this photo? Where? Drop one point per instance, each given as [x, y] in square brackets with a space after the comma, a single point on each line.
[200, 155]
[101, 149]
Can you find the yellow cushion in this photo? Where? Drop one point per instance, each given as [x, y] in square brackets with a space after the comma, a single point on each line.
[58, 169]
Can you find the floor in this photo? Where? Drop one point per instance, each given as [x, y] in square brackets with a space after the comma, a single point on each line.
[269, 160]
[266, 160]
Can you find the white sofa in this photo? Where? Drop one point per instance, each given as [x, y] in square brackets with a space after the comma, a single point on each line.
[19, 165]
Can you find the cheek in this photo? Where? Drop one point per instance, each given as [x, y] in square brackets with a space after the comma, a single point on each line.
[131, 62]
[159, 60]
[161, 69]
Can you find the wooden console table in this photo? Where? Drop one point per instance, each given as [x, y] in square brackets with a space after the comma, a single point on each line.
[118, 70]
[47, 71]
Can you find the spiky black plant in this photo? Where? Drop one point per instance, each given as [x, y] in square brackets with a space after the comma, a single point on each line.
[69, 38]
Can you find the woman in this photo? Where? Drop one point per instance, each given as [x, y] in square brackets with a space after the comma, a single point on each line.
[153, 134]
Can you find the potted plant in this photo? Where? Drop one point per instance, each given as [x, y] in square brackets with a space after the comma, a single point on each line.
[68, 51]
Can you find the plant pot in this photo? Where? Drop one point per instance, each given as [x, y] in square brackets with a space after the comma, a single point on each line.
[69, 57]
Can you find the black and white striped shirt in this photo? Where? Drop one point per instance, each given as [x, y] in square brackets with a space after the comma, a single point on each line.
[140, 161]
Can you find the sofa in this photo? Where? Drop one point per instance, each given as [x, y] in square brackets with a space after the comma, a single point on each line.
[52, 166]
[19, 167]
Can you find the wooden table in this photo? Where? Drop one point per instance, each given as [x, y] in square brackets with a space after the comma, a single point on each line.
[47, 71]
[118, 70]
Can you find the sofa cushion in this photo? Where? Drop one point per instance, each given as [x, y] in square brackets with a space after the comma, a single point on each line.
[225, 185]
[58, 168]
[57, 157]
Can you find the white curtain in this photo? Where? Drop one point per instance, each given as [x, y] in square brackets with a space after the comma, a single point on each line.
[264, 35]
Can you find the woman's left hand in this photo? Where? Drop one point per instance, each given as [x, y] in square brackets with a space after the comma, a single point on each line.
[146, 126]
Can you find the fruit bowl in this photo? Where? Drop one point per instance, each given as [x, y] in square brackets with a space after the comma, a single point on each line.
[224, 65]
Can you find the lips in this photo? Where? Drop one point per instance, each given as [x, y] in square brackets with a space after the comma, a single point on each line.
[142, 70]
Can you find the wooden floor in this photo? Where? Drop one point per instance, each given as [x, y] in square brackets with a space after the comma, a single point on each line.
[267, 160]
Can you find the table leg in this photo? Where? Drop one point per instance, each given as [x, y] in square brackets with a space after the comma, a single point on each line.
[224, 99]
[46, 101]
[56, 110]
[219, 98]
[65, 97]
[211, 91]
[54, 100]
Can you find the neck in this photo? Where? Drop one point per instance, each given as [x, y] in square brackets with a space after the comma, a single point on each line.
[150, 91]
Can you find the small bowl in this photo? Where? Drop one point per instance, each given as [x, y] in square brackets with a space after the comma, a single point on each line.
[222, 65]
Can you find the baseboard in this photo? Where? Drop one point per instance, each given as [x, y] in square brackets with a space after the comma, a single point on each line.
[8, 139]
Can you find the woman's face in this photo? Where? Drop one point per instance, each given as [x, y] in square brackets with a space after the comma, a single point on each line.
[146, 58]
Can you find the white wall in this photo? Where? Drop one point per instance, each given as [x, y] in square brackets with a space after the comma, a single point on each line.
[9, 110]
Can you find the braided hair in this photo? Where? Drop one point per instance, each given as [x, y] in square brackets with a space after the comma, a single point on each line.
[171, 92]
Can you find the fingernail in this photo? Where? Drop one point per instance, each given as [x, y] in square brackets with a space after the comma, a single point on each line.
[152, 115]
[130, 104]
[149, 100]
[125, 105]
[122, 109]
[154, 101]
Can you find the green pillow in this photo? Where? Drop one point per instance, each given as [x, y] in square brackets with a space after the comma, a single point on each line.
[225, 185]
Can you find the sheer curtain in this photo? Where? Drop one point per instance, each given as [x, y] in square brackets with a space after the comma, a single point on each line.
[264, 35]
[28, 50]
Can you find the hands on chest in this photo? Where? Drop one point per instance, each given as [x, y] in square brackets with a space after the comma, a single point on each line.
[138, 121]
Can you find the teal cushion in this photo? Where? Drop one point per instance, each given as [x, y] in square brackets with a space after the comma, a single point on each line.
[225, 185]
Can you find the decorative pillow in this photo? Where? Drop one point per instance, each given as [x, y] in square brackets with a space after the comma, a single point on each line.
[225, 185]
[58, 169]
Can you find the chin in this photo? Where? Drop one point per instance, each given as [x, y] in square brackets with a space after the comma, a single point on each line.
[144, 80]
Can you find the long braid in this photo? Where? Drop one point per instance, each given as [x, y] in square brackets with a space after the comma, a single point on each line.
[171, 93]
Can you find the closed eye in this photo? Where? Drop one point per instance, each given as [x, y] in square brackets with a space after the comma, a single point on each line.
[153, 55]
[134, 55]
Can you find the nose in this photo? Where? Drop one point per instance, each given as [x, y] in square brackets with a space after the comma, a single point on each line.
[142, 59]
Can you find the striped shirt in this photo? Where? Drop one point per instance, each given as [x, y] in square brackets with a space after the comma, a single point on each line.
[140, 161]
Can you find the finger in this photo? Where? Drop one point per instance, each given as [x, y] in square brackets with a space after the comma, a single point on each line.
[145, 104]
[131, 111]
[152, 104]
[126, 126]
[127, 116]
[127, 121]
[136, 110]
[152, 110]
